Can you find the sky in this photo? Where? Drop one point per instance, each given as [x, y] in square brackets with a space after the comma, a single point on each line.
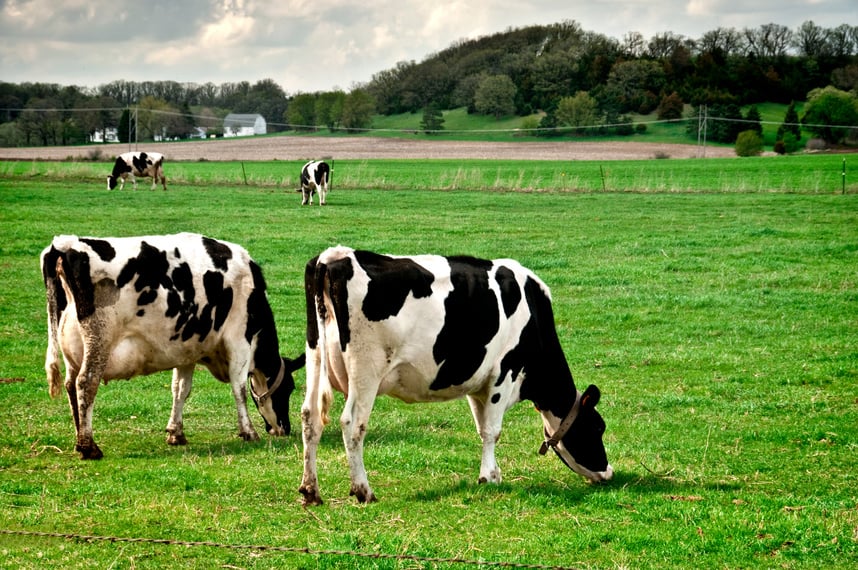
[322, 45]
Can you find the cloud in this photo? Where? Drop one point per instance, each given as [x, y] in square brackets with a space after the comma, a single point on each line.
[312, 45]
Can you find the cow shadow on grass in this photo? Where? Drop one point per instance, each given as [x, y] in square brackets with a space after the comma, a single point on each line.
[573, 488]
[204, 447]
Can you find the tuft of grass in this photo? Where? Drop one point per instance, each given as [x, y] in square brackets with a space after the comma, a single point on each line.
[720, 326]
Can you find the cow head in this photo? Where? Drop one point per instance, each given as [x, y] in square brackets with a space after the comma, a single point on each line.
[111, 182]
[273, 402]
[580, 447]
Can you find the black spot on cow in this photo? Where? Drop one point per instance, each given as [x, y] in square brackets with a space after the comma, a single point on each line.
[496, 398]
[219, 253]
[147, 297]
[181, 299]
[391, 280]
[471, 320]
[103, 248]
[120, 167]
[147, 271]
[323, 172]
[140, 161]
[77, 270]
[510, 291]
[547, 380]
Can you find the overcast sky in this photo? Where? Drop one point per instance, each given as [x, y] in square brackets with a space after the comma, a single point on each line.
[320, 45]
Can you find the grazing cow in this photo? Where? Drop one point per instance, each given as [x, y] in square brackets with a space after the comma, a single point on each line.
[430, 328]
[134, 164]
[125, 307]
[315, 176]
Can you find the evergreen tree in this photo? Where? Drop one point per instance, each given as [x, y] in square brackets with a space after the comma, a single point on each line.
[124, 128]
[433, 119]
[754, 120]
[790, 125]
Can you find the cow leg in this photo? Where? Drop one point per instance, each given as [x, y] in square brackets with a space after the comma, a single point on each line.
[488, 419]
[183, 377]
[238, 381]
[322, 194]
[312, 425]
[85, 389]
[71, 390]
[354, 422]
[306, 196]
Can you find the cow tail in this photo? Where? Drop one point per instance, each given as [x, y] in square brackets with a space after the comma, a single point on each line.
[326, 395]
[55, 297]
[318, 384]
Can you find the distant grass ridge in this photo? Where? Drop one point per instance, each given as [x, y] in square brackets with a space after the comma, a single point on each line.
[805, 173]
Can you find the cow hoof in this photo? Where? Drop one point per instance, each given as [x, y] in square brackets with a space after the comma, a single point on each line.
[363, 495]
[251, 436]
[174, 439]
[89, 451]
[311, 497]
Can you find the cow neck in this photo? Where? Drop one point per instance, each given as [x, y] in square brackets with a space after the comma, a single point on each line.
[261, 398]
[563, 428]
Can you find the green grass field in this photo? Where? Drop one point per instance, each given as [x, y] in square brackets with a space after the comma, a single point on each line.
[720, 323]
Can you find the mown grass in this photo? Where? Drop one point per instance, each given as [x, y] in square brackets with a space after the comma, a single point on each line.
[720, 326]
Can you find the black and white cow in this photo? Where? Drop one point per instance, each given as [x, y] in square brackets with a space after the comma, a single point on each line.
[431, 328]
[125, 307]
[315, 176]
[134, 164]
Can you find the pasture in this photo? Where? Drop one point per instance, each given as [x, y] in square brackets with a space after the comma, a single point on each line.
[720, 323]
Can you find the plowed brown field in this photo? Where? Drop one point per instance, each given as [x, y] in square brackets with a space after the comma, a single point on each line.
[299, 148]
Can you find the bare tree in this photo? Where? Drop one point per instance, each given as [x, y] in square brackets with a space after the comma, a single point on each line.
[769, 40]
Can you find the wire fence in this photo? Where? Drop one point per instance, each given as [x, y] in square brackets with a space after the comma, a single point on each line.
[283, 549]
[535, 130]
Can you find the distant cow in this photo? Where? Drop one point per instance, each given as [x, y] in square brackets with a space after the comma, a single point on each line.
[134, 164]
[315, 177]
[429, 328]
[125, 307]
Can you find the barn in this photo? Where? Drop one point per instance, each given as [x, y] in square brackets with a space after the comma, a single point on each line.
[241, 125]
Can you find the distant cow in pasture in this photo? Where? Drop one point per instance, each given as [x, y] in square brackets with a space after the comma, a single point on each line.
[137, 164]
[429, 328]
[315, 177]
[124, 307]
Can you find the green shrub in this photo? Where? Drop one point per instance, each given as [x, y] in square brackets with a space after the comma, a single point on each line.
[749, 143]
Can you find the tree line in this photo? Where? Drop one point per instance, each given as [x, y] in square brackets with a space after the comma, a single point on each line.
[575, 78]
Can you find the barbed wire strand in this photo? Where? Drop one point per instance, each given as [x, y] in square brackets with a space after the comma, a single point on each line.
[286, 549]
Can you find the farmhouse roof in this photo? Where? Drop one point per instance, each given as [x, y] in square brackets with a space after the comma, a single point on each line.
[241, 120]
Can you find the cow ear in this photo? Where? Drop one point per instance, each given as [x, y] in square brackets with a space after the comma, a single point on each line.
[591, 397]
[293, 365]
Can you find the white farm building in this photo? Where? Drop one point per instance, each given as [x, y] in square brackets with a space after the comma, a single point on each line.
[238, 125]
